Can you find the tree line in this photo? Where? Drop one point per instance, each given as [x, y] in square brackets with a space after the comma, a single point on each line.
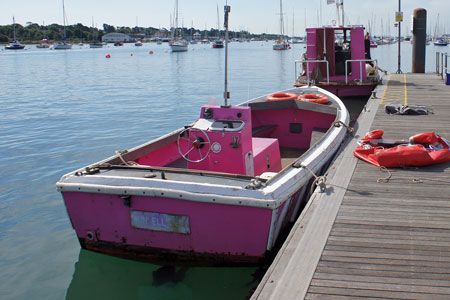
[34, 33]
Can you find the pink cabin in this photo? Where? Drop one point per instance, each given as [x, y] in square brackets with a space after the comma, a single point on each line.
[338, 60]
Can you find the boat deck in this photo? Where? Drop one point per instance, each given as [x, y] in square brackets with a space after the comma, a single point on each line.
[374, 234]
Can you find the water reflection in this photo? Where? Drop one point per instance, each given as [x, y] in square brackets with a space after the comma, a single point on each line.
[99, 276]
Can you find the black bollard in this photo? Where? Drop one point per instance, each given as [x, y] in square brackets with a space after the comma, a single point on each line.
[419, 40]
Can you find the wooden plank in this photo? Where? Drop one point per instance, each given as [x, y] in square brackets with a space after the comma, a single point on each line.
[385, 261]
[382, 273]
[383, 286]
[378, 279]
[376, 293]
[402, 236]
[390, 230]
[445, 272]
[361, 253]
[312, 296]
[370, 248]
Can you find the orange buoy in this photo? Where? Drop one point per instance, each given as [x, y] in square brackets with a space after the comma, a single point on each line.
[151, 52]
[314, 98]
[281, 96]
[108, 56]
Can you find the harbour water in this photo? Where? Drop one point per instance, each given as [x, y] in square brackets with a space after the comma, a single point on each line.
[61, 110]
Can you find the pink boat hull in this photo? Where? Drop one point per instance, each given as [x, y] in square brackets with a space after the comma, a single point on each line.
[218, 234]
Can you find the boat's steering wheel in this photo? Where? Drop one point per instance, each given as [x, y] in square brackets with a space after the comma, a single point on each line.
[197, 141]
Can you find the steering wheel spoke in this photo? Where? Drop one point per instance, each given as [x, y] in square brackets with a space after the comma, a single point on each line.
[196, 139]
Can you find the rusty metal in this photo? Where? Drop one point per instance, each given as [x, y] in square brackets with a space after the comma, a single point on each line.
[165, 256]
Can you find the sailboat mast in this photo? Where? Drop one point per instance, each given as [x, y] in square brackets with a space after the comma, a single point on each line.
[14, 28]
[281, 20]
[176, 17]
[218, 23]
[64, 19]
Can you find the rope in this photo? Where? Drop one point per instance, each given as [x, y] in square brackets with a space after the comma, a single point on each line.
[129, 163]
[350, 130]
[319, 181]
[411, 179]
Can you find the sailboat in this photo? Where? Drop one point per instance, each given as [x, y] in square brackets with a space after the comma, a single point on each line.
[219, 42]
[63, 45]
[95, 43]
[177, 44]
[14, 45]
[281, 43]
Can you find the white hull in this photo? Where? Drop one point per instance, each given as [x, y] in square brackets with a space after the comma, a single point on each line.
[63, 46]
[281, 46]
[99, 45]
[178, 47]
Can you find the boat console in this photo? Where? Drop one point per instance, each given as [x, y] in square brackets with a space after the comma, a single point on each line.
[221, 141]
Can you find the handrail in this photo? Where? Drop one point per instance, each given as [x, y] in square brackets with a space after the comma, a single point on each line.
[441, 63]
[307, 67]
[360, 67]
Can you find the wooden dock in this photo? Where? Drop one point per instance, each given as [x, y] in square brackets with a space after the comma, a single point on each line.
[368, 237]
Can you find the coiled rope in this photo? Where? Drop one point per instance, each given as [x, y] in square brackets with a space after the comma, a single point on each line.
[119, 155]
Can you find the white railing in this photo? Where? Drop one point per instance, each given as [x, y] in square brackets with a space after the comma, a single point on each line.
[360, 67]
[307, 68]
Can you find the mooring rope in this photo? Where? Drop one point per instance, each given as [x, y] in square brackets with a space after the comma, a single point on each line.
[411, 179]
[319, 181]
[129, 163]
[350, 130]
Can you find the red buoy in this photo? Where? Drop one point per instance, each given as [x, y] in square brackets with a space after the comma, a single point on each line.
[151, 52]
[108, 56]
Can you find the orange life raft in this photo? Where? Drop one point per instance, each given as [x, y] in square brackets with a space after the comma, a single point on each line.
[420, 150]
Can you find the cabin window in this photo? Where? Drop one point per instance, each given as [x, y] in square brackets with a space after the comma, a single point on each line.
[295, 127]
[342, 51]
[227, 125]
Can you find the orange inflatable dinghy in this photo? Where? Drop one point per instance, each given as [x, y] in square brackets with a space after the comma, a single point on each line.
[420, 150]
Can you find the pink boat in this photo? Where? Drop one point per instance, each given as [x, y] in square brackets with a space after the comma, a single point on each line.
[337, 59]
[218, 191]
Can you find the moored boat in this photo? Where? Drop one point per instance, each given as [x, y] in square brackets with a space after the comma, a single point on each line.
[218, 44]
[14, 45]
[441, 42]
[281, 43]
[63, 45]
[177, 43]
[220, 190]
[338, 59]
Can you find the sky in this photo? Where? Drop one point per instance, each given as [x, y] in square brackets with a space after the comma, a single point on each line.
[256, 16]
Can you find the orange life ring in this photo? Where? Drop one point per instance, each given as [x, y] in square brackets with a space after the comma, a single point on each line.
[315, 98]
[281, 96]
